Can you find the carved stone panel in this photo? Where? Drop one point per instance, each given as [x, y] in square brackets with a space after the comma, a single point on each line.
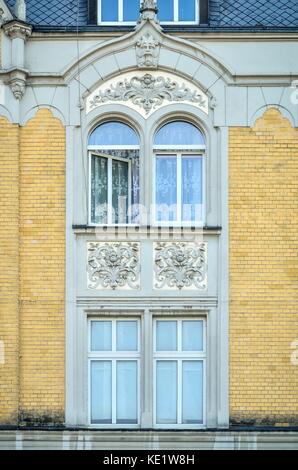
[113, 265]
[180, 265]
[146, 92]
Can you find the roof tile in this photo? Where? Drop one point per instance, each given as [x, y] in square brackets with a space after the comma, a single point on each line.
[223, 13]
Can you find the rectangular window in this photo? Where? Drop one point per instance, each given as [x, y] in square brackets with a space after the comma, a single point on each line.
[110, 189]
[178, 380]
[179, 356]
[114, 353]
[179, 188]
[128, 11]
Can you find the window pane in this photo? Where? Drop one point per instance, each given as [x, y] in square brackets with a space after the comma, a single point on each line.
[192, 392]
[119, 191]
[179, 133]
[127, 336]
[166, 188]
[191, 188]
[101, 392]
[99, 189]
[127, 392]
[131, 10]
[109, 10]
[187, 10]
[166, 392]
[165, 10]
[101, 336]
[192, 335]
[166, 336]
[113, 133]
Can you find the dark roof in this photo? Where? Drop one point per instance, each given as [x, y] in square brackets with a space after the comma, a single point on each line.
[223, 13]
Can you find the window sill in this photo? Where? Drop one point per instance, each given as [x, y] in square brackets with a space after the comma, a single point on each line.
[144, 229]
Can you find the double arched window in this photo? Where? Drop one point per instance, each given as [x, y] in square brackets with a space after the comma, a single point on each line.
[177, 174]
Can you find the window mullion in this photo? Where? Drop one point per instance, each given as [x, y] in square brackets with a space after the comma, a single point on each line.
[179, 187]
[114, 394]
[110, 188]
[179, 391]
[120, 10]
[176, 11]
[99, 11]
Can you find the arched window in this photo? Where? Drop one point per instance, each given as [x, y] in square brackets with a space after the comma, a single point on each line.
[114, 168]
[178, 173]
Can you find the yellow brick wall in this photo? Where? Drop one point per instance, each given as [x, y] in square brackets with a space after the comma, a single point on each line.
[32, 270]
[42, 269]
[9, 271]
[263, 198]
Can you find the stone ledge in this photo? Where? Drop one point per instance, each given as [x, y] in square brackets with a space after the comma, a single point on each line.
[148, 440]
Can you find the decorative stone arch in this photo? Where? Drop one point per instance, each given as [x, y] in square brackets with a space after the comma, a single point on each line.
[259, 113]
[126, 56]
[31, 113]
[146, 50]
[4, 112]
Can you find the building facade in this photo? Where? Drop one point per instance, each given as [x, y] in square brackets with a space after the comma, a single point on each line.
[149, 271]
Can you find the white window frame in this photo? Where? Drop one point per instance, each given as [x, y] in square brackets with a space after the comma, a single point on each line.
[129, 23]
[175, 151]
[120, 16]
[100, 153]
[115, 356]
[179, 356]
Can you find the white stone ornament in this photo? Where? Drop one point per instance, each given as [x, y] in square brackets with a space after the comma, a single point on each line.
[18, 88]
[180, 265]
[147, 51]
[148, 10]
[113, 265]
[147, 92]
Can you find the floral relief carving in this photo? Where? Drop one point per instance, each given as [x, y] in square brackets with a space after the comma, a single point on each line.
[148, 92]
[179, 265]
[113, 265]
[147, 51]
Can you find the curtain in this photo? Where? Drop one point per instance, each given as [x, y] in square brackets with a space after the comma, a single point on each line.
[166, 188]
[191, 189]
[99, 189]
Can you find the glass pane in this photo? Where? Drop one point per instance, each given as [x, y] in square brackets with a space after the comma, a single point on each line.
[127, 392]
[120, 191]
[166, 392]
[179, 133]
[192, 189]
[109, 10]
[192, 392]
[101, 336]
[113, 133]
[166, 336]
[166, 188]
[192, 335]
[99, 190]
[131, 10]
[187, 10]
[101, 392]
[165, 10]
[127, 336]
